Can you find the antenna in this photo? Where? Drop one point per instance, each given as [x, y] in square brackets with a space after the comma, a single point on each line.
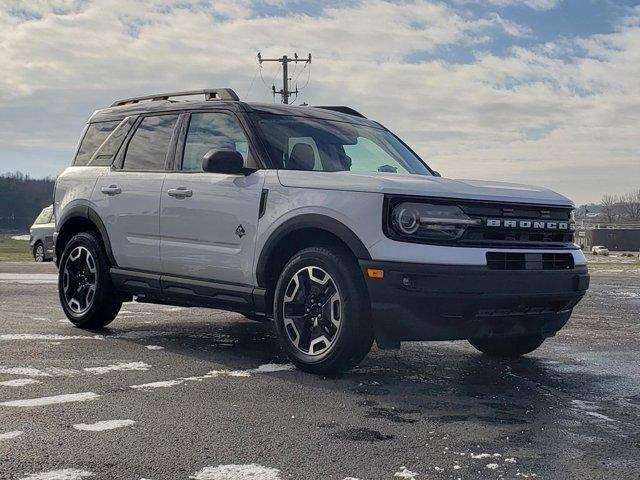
[285, 93]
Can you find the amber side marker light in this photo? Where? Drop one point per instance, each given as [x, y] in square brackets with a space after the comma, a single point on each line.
[375, 273]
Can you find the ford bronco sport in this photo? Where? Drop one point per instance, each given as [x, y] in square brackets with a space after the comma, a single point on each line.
[315, 217]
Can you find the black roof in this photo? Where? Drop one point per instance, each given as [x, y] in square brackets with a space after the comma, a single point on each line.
[157, 106]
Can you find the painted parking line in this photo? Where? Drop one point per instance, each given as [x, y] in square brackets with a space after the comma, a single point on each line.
[29, 278]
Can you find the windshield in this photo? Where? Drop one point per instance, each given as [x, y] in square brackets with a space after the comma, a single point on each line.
[300, 143]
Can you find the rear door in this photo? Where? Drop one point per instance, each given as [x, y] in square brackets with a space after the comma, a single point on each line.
[128, 196]
[208, 220]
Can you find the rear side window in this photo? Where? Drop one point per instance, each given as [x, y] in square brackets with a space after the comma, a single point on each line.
[107, 151]
[149, 145]
[95, 134]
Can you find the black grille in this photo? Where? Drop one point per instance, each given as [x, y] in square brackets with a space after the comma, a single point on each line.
[501, 236]
[519, 225]
[529, 261]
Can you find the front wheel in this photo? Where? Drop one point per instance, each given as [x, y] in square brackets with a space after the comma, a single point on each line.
[509, 347]
[321, 311]
[86, 293]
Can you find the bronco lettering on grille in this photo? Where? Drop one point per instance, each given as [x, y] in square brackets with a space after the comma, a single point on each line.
[529, 225]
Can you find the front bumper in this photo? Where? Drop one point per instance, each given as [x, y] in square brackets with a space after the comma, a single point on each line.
[451, 302]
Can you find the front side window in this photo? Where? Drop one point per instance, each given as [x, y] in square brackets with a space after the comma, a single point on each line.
[301, 143]
[149, 145]
[212, 131]
[95, 134]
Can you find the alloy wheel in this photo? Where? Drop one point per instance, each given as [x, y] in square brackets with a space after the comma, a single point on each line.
[312, 311]
[79, 280]
[39, 256]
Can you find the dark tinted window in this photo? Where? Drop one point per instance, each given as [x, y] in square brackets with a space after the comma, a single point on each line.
[105, 154]
[212, 131]
[94, 136]
[148, 148]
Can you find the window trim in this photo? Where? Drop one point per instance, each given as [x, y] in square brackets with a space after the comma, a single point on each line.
[182, 141]
[119, 162]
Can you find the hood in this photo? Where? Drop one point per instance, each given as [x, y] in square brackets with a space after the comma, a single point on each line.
[419, 185]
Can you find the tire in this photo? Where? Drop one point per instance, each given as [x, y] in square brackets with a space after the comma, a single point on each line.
[83, 267]
[507, 347]
[322, 311]
[38, 252]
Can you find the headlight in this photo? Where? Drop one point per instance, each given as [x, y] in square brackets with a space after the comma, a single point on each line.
[430, 222]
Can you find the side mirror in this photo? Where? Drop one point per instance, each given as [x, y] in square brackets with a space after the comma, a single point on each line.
[436, 174]
[223, 161]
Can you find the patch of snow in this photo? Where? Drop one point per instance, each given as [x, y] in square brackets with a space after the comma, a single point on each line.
[251, 471]
[154, 347]
[119, 367]
[406, 473]
[19, 382]
[36, 372]
[103, 425]
[162, 384]
[38, 402]
[64, 474]
[510, 460]
[267, 368]
[274, 367]
[590, 409]
[21, 237]
[480, 456]
[10, 435]
[492, 466]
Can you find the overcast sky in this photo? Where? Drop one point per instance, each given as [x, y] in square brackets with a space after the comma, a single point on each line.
[533, 91]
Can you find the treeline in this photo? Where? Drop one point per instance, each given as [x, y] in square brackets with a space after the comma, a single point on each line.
[21, 200]
[613, 209]
[622, 208]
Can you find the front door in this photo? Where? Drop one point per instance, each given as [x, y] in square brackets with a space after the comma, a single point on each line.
[127, 198]
[208, 220]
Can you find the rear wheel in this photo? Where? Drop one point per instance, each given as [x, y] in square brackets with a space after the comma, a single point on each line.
[87, 295]
[321, 311]
[38, 252]
[507, 347]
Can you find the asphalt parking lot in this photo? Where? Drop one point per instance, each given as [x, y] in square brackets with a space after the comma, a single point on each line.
[174, 393]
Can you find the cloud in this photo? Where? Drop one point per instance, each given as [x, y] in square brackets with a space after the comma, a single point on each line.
[562, 114]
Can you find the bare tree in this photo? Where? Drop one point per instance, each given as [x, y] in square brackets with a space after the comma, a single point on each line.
[630, 206]
[610, 207]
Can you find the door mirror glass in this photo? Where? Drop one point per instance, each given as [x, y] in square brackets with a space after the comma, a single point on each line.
[223, 161]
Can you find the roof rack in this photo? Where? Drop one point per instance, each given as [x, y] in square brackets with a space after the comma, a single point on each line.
[209, 94]
[341, 109]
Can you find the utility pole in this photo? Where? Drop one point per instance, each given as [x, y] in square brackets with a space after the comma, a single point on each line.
[285, 92]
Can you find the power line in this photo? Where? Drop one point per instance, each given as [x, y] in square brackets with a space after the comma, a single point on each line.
[285, 92]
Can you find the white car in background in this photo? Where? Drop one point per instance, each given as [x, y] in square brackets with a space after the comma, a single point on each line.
[41, 235]
[600, 250]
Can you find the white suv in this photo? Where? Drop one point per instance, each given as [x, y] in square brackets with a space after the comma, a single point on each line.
[316, 217]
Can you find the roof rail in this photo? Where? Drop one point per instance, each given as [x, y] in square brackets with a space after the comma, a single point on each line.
[209, 94]
[341, 109]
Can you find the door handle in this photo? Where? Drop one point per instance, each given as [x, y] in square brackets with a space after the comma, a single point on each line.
[111, 190]
[180, 192]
